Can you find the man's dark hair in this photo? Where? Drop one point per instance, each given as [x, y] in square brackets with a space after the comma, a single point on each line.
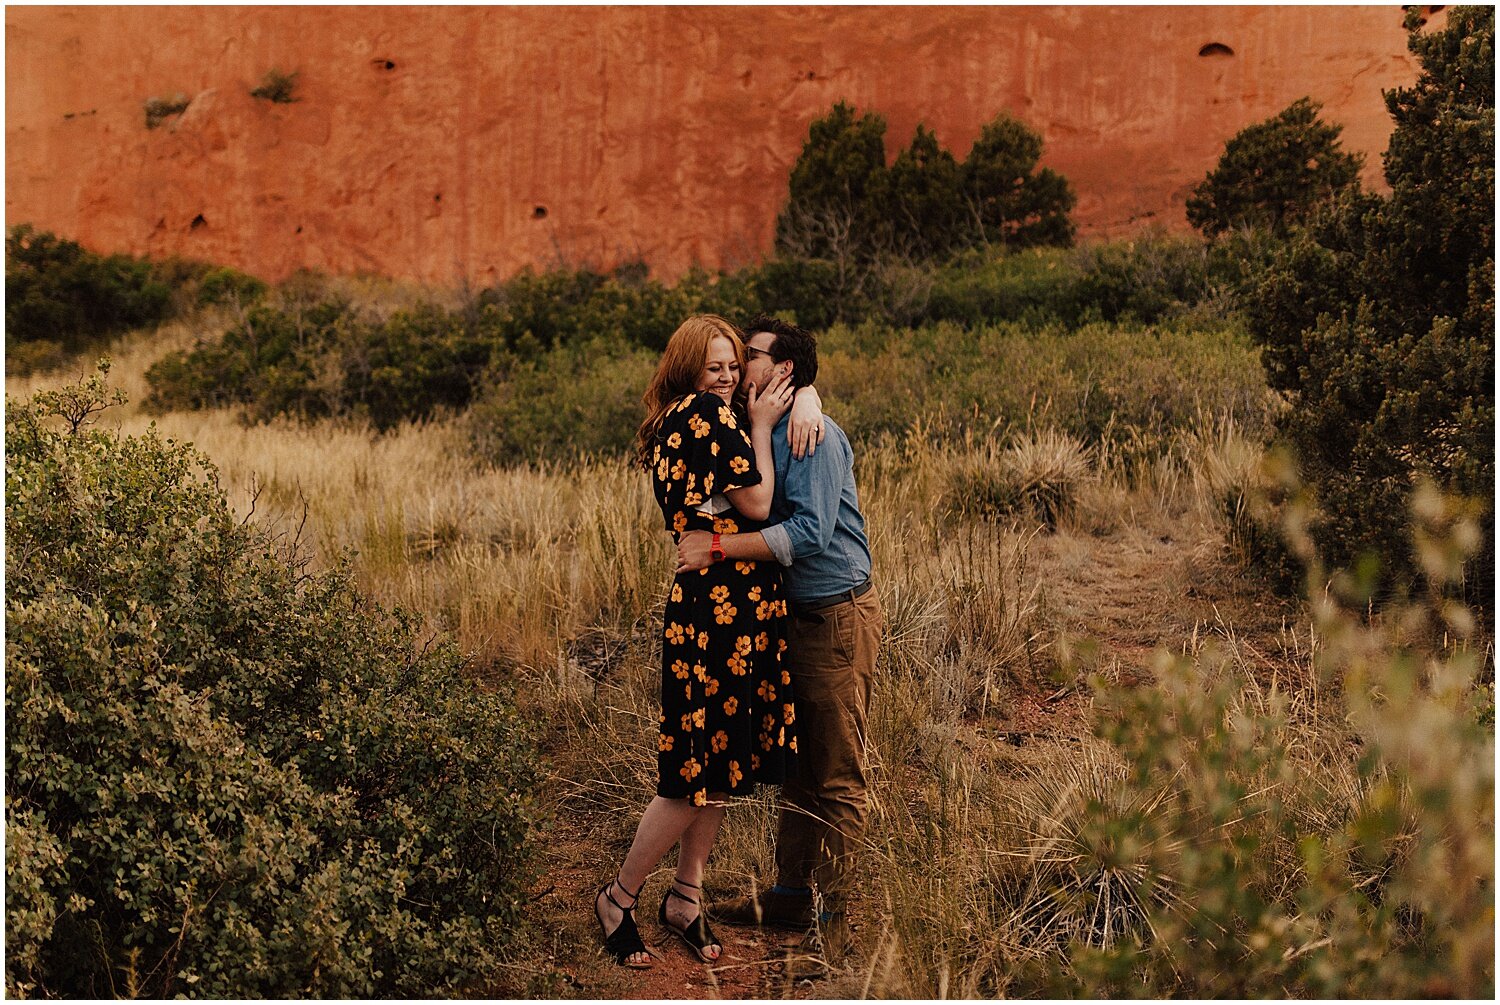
[792, 343]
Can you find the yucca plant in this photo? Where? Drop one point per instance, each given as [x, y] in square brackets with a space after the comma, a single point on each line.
[1092, 865]
[1046, 468]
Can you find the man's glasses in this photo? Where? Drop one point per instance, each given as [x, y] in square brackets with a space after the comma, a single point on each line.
[751, 348]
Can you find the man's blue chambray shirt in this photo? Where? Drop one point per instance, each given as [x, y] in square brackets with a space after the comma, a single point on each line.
[819, 534]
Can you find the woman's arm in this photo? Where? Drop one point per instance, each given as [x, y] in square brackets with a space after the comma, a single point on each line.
[804, 430]
[765, 409]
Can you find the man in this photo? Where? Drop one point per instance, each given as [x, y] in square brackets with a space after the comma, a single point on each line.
[833, 635]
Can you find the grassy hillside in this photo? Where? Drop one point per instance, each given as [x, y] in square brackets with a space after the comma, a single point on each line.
[1109, 759]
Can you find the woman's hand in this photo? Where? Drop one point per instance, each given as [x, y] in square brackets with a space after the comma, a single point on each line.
[766, 407]
[804, 430]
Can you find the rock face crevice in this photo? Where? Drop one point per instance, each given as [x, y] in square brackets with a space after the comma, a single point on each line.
[450, 144]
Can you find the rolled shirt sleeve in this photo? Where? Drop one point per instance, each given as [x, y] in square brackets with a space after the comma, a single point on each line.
[780, 544]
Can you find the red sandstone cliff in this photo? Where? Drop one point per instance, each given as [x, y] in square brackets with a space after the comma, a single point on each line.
[439, 143]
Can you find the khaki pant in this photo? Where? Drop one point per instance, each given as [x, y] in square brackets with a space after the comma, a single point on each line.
[823, 809]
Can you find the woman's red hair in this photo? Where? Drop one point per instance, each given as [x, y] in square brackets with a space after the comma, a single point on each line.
[678, 373]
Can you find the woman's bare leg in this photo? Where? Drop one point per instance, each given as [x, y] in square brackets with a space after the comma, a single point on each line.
[692, 858]
[665, 822]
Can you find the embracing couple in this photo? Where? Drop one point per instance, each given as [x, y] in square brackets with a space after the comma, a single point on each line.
[770, 635]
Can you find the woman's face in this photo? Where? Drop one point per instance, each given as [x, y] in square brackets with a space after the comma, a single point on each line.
[721, 371]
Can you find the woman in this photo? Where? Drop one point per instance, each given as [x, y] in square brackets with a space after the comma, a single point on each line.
[726, 705]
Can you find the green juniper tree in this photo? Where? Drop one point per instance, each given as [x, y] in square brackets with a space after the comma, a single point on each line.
[1378, 318]
[1009, 200]
[1275, 173]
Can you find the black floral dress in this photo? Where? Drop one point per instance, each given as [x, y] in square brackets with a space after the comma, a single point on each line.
[727, 715]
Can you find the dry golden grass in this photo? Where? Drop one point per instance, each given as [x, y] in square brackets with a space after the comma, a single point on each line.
[983, 861]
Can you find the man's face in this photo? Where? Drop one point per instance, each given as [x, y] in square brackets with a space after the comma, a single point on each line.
[760, 368]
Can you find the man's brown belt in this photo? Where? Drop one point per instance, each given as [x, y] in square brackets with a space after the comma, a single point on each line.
[807, 607]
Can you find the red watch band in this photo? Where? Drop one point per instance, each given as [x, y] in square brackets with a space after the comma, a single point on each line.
[716, 550]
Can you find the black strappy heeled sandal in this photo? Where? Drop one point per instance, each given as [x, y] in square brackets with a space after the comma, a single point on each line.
[625, 941]
[697, 934]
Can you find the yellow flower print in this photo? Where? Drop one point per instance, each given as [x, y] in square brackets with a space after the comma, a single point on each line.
[739, 465]
[765, 610]
[767, 722]
[700, 798]
[731, 705]
[719, 594]
[656, 453]
[710, 687]
[694, 499]
[679, 521]
[708, 483]
[687, 722]
[735, 774]
[680, 669]
[679, 470]
[662, 467]
[742, 645]
[786, 678]
[687, 692]
[699, 427]
[675, 634]
[703, 641]
[727, 417]
[698, 716]
[781, 737]
[674, 441]
[743, 568]
[754, 762]
[780, 646]
[720, 742]
[788, 713]
[792, 746]
[762, 642]
[781, 608]
[692, 479]
[676, 593]
[755, 594]
[724, 525]
[737, 665]
[767, 691]
[724, 613]
[664, 742]
[691, 769]
[765, 741]
[684, 404]
[700, 671]
[713, 448]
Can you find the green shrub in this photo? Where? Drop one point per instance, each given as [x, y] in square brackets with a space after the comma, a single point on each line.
[225, 776]
[277, 86]
[1121, 383]
[1275, 174]
[225, 285]
[923, 198]
[572, 400]
[1148, 279]
[845, 207]
[1009, 201]
[159, 110]
[1332, 842]
[833, 209]
[1378, 319]
[60, 297]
